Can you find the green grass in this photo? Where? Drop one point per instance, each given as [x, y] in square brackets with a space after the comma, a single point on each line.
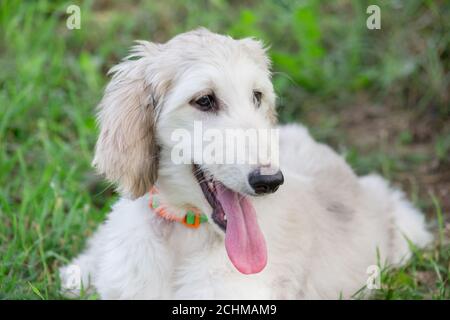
[324, 57]
[424, 276]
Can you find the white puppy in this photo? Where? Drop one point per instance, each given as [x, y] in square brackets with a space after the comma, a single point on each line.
[314, 238]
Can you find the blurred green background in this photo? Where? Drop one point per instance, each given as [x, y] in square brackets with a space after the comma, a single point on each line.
[379, 97]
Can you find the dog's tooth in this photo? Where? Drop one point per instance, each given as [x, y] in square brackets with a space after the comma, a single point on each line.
[210, 185]
[225, 218]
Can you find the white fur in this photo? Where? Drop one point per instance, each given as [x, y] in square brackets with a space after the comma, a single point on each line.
[322, 227]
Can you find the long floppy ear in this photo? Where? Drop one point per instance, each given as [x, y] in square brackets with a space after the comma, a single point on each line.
[126, 151]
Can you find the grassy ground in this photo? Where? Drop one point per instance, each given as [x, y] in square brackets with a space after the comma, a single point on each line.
[379, 97]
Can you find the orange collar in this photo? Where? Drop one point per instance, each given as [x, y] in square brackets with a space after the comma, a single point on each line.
[192, 219]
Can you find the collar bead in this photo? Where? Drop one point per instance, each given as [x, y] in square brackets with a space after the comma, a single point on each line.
[192, 219]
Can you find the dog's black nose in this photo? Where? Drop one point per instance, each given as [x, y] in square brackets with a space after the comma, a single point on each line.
[265, 183]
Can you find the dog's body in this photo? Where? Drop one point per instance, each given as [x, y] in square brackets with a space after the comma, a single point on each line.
[322, 228]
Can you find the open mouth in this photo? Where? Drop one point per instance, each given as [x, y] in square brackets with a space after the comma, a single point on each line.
[235, 215]
[209, 188]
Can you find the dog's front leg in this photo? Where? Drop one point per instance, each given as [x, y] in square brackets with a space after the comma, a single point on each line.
[128, 254]
[209, 274]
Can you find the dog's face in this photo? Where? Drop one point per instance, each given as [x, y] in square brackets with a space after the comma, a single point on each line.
[197, 79]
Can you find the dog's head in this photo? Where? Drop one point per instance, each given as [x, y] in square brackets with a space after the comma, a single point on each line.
[162, 91]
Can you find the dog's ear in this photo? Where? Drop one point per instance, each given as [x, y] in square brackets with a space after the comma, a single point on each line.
[126, 151]
[257, 51]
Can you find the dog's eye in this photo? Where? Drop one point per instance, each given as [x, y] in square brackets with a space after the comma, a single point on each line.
[206, 103]
[257, 95]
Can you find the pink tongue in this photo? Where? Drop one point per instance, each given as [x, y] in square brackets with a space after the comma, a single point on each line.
[244, 240]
